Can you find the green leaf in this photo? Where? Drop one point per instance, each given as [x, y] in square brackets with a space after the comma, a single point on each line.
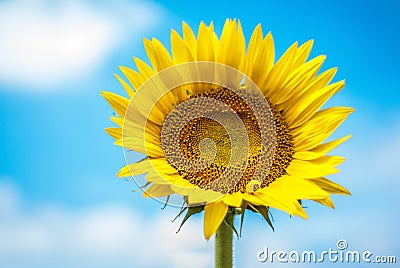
[191, 211]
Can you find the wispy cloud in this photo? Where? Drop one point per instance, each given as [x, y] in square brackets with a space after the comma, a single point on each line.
[118, 236]
[103, 236]
[45, 43]
[372, 155]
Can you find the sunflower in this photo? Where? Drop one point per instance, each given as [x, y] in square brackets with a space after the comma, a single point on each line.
[227, 127]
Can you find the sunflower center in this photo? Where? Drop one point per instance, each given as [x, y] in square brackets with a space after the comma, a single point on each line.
[215, 144]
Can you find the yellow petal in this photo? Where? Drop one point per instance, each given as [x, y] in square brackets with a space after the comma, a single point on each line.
[189, 39]
[252, 198]
[233, 200]
[125, 85]
[315, 84]
[302, 53]
[117, 120]
[260, 66]
[150, 133]
[214, 214]
[285, 192]
[300, 188]
[158, 190]
[180, 183]
[296, 188]
[180, 51]
[330, 186]
[132, 170]
[205, 45]
[326, 202]
[147, 165]
[231, 48]
[213, 35]
[162, 178]
[139, 145]
[148, 104]
[117, 102]
[144, 68]
[299, 77]
[201, 196]
[225, 40]
[288, 205]
[278, 74]
[319, 167]
[320, 150]
[133, 77]
[309, 104]
[114, 132]
[157, 54]
[319, 127]
[253, 49]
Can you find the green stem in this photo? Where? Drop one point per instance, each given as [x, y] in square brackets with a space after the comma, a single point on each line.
[223, 243]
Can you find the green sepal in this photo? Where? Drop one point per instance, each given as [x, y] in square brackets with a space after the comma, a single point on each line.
[166, 202]
[301, 203]
[243, 209]
[180, 213]
[141, 187]
[264, 211]
[229, 220]
[191, 211]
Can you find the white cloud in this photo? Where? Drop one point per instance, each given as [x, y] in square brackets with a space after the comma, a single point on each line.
[372, 157]
[386, 155]
[361, 229]
[366, 220]
[115, 236]
[46, 43]
[104, 236]
[120, 236]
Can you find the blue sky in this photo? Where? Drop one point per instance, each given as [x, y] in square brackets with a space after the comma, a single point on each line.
[60, 202]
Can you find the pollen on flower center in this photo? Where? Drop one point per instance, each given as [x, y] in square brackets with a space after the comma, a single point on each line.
[205, 138]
